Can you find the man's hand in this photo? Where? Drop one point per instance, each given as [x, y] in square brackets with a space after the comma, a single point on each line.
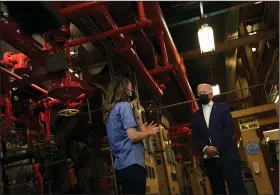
[211, 151]
[151, 128]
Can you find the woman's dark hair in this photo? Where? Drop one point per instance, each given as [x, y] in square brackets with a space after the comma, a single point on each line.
[116, 92]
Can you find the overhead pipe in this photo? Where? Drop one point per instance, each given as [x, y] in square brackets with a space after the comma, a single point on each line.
[110, 33]
[130, 54]
[22, 43]
[134, 60]
[19, 78]
[174, 56]
[85, 8]
[81, 9]
[159, 70]
[82, 96]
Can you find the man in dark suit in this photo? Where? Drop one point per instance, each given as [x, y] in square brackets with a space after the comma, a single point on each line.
[212, 131]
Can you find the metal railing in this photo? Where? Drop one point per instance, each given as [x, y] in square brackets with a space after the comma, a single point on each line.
[268, 97]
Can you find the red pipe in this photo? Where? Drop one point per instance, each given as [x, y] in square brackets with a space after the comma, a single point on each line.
[179, 132]
[130, 54]
[141, 11]
[38, 177]
[81, 8]
[134, 59]
[19, 78]
[49, 103]
[33, 85]
[72, 178]
[160, 37]
[8, 109]
[22, 43]
[175, 58]
[159, 70]
[110, 33]
[180, 126]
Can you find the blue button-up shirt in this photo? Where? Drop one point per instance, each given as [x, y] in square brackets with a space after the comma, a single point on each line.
[124, 151]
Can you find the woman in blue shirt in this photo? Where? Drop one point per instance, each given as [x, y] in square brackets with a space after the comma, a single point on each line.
[126, 136]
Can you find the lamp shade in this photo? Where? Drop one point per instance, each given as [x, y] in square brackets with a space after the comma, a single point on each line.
[206, 38]
[216, 90]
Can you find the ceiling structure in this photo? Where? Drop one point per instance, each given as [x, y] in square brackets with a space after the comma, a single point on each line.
[233, 65]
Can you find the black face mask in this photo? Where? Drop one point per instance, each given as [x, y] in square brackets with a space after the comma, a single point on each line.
[203, 99]
[133, 96]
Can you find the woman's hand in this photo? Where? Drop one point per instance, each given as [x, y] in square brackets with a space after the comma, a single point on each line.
[151, 128]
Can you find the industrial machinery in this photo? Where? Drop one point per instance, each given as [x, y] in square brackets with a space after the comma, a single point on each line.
[49, 141]
[165, 158]
[152, 185]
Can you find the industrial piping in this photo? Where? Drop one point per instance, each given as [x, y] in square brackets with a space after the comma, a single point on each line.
[174, 56]
[129, 53]
[24, 44]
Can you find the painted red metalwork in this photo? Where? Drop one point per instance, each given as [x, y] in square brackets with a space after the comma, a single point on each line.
[132, 57]
[117, 33]
[159, 70]
[179, 130]
[38, 177]
[156, 15]
[26, 45]
[8, 109]
[81, 9]
[19, 62]
[181, 125]
[19, 78]
[160, 37]
[65, 89]
[188, 132]
[110, 33]
[72, 178]
[141, 11]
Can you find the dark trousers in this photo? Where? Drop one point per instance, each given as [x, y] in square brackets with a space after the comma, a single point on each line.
[132, 179]
[230, 172]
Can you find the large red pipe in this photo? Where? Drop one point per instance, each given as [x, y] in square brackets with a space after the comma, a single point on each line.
[129, 54]
[82, 96]
[19, 78]
[24, 44]
[110, 33]
[156, 15]
[133, 58]
[81, 9]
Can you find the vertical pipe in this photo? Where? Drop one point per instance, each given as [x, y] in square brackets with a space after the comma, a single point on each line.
[174, 56]
[141, 11]
[160, 37]
[7, 109]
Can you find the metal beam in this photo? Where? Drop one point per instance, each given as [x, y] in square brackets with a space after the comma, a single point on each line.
[232, 44]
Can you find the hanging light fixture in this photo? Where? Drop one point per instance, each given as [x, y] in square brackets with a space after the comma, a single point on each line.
[205, 35]
[216, 89]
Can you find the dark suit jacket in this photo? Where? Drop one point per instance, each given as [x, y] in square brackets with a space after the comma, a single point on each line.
[220, 131]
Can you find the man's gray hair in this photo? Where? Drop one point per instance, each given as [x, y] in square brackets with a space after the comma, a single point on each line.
[206, 85]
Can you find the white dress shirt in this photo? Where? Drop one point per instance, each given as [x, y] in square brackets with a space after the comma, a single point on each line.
[207, 111]
[207, 108]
